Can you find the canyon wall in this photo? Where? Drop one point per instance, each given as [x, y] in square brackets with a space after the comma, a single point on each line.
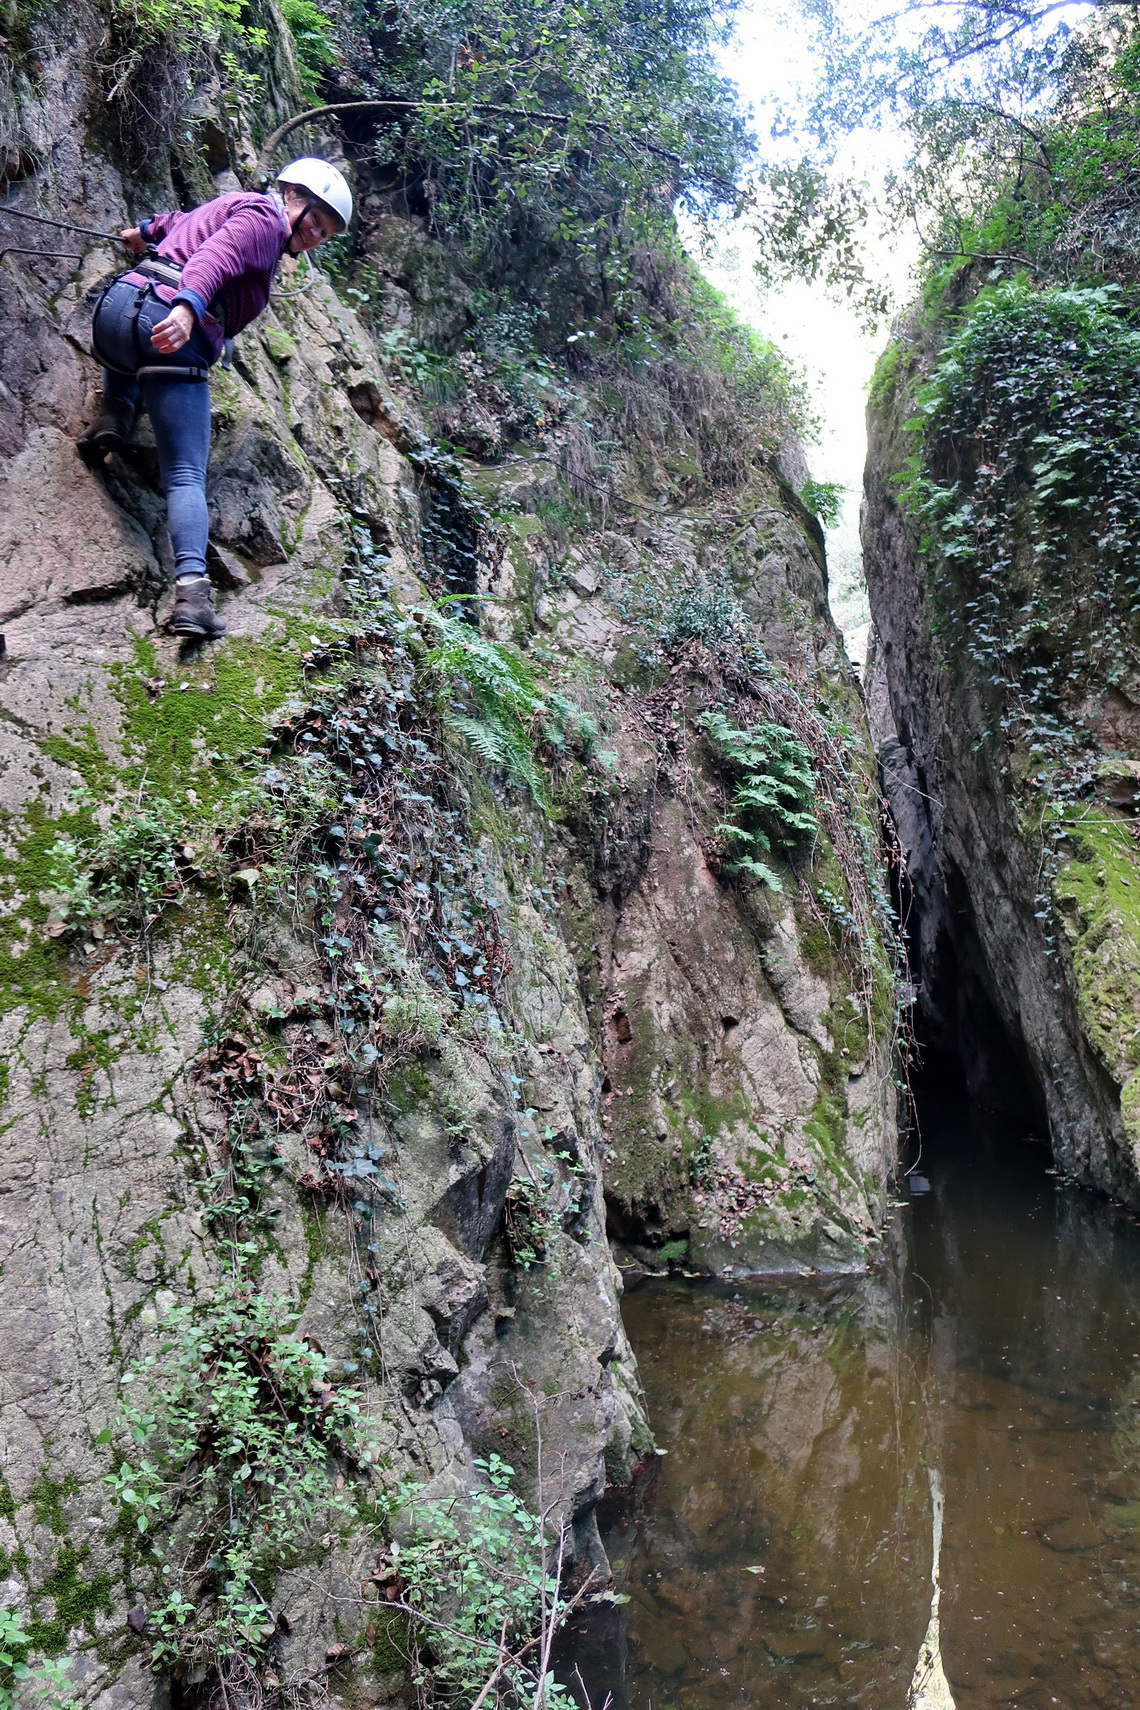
[315, 991]
[1015, 809]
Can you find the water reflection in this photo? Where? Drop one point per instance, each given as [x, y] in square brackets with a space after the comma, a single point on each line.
[771, 1559]
[779, 1554]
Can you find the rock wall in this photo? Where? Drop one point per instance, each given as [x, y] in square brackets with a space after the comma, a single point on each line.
[639, 1027]
[1020, 959]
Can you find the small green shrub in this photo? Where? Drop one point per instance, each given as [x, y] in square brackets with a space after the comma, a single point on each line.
[824, 499]
[497, 706]
[526, 1223]
[701, 611]
[702, 1163]
[431, 373]
[772, 804]
[203, 30]
[480, 1572]
[237, 1436]
[48, 1680]
[127, 871]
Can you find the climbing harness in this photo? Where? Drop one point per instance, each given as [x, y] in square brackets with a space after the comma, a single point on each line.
[168, 371]
[156, 270]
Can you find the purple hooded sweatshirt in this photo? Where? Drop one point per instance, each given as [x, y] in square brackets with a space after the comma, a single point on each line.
[229, 249]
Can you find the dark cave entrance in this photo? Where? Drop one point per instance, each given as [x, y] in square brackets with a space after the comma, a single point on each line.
[964, 1048]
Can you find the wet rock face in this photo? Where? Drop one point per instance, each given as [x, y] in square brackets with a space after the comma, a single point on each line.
[1037, 997]
[677, 1056]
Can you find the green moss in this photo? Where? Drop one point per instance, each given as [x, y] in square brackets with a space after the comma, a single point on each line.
[280, 345]
[641, 1437]
[763, 1166]
[712, 1115]
[409, 1086]
[1097, 894]
[390, 1646]
[203, 945]
[47, 1497]
[884, 376]
[316, 1246]
[17, 1562]
[618, 1464]
[827, 1126]
[77, 1601]
[815, 947]
[79, 750]
[34, 973]
[219, 718]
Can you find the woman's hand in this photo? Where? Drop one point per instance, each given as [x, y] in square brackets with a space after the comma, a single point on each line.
[172, 333]
[133, 240]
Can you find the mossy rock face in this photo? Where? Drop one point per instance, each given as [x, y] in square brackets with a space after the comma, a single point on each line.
[627, 949]
[1017, 825]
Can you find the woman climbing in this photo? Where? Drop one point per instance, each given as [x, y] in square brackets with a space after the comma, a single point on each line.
[202, 277]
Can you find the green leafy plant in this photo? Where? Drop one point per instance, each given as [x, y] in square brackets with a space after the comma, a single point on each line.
[314, 41]
[1027, 483]
[526, 1223]
[497, 705]
[538, 127]
[480, 1578]
[702, 1163]
[157, 51]
[239, 1445]
[701, 611]
[773, 801]
[47, 1680]
[127, 871]
[824, 499]
[429, 372]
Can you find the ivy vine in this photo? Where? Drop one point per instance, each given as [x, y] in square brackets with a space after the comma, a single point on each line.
[1027, 487]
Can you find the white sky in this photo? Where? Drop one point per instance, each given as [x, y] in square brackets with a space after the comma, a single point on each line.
[823, 337]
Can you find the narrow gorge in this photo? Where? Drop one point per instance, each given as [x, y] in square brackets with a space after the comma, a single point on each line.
[507, 882]
[562, 1144]
[1004, 675]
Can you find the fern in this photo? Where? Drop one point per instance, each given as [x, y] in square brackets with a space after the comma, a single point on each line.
[494, 741]
[774, 797]
[505, 714]
[759, 870]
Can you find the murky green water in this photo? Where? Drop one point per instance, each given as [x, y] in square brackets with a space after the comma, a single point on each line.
[779, 1554]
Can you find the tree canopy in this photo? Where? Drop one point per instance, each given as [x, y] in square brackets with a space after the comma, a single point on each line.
[535, 120]
[1021, 124]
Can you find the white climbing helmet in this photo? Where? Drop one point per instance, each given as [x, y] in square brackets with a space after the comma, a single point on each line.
[323, 181]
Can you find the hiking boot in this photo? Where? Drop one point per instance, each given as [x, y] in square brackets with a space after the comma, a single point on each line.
[194, 612]
[110, 431]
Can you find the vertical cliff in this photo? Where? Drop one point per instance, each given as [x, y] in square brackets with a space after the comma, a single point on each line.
[999, 557]
[361, 973]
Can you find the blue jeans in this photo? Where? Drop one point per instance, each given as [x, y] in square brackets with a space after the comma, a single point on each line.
[179, 410]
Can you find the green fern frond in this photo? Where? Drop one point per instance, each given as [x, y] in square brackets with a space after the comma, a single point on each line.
[486, 739]
[774, 797]
[759, 870]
